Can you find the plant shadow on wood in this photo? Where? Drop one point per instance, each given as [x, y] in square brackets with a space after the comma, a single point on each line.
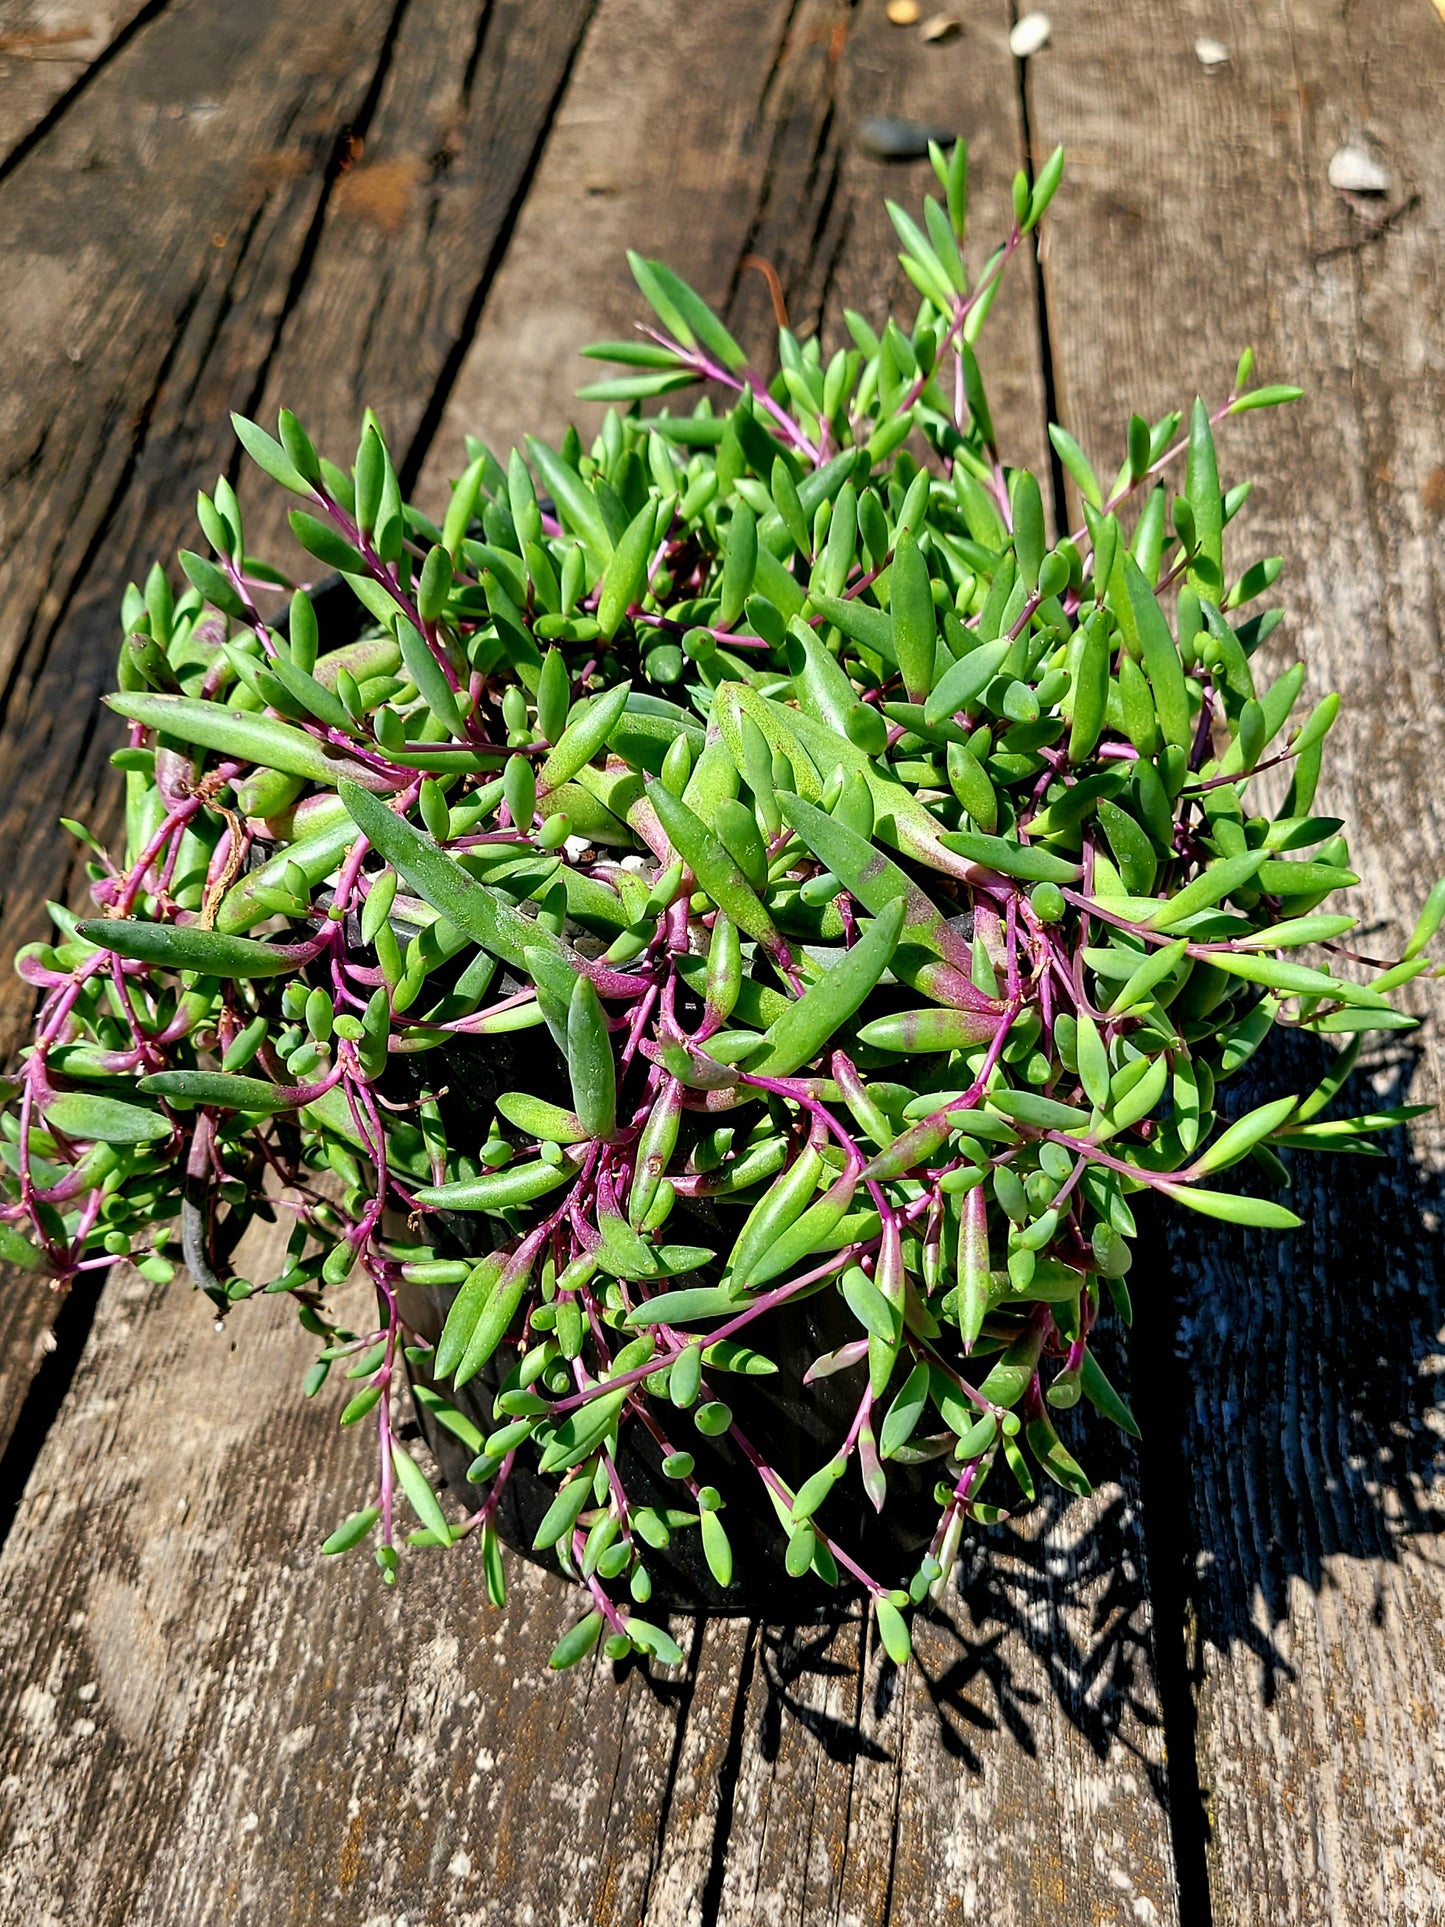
[1288, 1391]
[1051, 1605]
[1298, 1380]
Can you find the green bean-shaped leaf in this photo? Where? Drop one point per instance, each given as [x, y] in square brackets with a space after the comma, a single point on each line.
[914, 1147]
[716, 871]
[429, 676]
[1009, 1379]
[583, 1431]
[1161, 658]
[1211, 886]
[1233, 1207]
[779, 1207]
[929, 1030]
[1146, 976]
[1028, 522]
[541, 1120]
[581, 739]
[973, 1267]
[740, 562]
[576, 503]
[515, 1184]
[246, 736]
[104, 1120]
[590, 1062]
[185, 946]
[1091, 689]
[577, 1642]
[690, 1307]
[1054, 1457]
[417, 1487]
[859, 621]
[808, 1233]
[220, 1087]
[906, 1410]
[1201, 490]
[892, 1630]
[1011, 858]
[440, 881]
[562, 1515]
[466, 1309]
[1242, 1136]
[326, 543]
[874, 1313]
[1039, 1112]
[914, 623]
[965, 681]
[625, 576]
[214, 584]
[1296, 980]
[802, 1031]
[499, 1310]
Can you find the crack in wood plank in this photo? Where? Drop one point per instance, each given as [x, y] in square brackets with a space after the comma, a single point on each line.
[51, 54]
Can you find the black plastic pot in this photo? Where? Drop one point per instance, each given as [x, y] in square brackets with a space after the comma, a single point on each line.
[796, 1427]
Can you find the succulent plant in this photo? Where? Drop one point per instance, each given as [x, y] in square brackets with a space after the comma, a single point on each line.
[886, 892]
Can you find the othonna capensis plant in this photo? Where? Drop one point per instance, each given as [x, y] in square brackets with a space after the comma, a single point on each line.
[862, 862]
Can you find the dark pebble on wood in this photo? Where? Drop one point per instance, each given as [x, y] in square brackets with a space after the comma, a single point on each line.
[890, 139]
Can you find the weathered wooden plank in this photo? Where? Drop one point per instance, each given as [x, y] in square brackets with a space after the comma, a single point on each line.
[489, 76]
[661, 143]
[151, 244]
[825, 227]
[1309, 1373]
[48, 50]
[415, 229]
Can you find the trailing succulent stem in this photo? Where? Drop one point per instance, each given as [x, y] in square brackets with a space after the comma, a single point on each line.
[885, 893]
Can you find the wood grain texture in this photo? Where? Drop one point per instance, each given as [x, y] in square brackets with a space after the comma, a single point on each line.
[1309, 1368]
[150, 242]
[661, 144]
[415, 229]
[49, 51]
[213, 241]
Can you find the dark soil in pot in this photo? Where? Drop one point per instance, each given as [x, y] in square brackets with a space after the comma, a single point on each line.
[796, 1427]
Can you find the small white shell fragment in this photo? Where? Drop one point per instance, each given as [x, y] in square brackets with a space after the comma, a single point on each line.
[1029, 34]
[1354, 170]
[940, 26]
[1210, 53]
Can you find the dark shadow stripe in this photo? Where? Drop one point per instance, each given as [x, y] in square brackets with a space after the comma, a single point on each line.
[47, 1391]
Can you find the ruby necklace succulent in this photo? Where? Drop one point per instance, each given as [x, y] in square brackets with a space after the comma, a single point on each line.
[878, 882]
